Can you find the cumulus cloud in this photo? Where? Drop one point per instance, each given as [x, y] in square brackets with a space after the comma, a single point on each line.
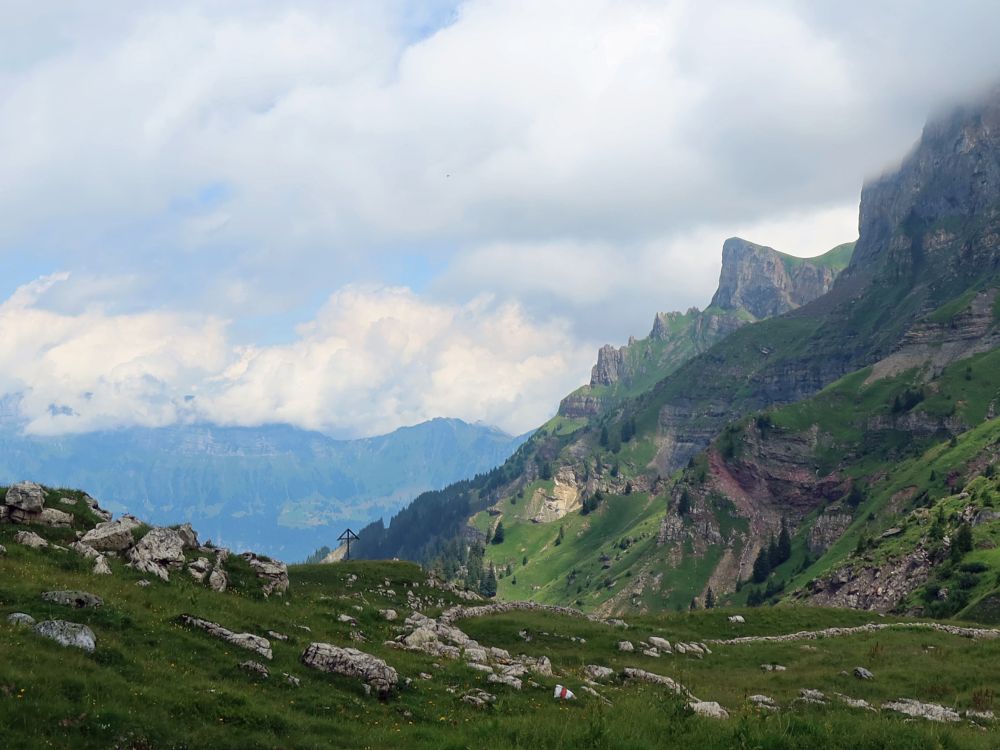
[372, 360]
[216, 169]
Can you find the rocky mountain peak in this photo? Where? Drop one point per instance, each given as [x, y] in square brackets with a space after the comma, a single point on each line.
[764, 282]
[953, 173]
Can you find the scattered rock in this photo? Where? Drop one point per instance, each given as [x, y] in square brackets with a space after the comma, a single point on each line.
[277, 636]
[248, 641]
[218, 581]
[20, 618]
[711, 709]
[26, 499]
[375, 673]
[67, 501]
[272, 573]
[101, 567]
[255, 669]
[772, 668]
[475, 654]
[158, 552]
[292, 679]
[502, 679]
[736, 619]
[425, 676]
[111, 536]
[765, 701]
[85, 550]
[479, 698]
[641, 675]
[189, 537]
[590, 691]
[651, 652]
[388, 614]
[929, 711]
[863, 674]
[74, 599]
[54, 518]
[143, 583]
[660, 643]
[199, 569]
[598, 673]
[3, 550]
[980, 715]
[485, 668]
[625, 646]
[812, 696]
[30, 539]
[68, 634]
[854, 702]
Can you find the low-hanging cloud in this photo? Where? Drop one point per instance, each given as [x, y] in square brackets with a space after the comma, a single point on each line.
[373, 359]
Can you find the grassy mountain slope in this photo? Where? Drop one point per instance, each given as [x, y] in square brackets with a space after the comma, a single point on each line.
[153, 684]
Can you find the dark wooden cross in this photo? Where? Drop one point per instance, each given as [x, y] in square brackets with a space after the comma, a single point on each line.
[347, 537]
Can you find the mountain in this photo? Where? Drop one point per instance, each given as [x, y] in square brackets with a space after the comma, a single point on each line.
[808, 456]
[276, 488]
[756, 282]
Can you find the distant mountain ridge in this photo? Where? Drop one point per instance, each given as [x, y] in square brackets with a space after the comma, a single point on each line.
[755, 283]
[276, 488]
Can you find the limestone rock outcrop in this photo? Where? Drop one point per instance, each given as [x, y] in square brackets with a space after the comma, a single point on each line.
[372, 671]
[69, 634]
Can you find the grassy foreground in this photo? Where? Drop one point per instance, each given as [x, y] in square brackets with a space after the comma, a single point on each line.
[154, 684]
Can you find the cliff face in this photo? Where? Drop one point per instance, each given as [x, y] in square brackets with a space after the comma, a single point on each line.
[766, 283]
[756, 282]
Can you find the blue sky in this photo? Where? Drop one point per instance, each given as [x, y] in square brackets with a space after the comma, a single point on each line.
[352, 216]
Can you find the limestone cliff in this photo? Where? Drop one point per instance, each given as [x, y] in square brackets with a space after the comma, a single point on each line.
[756, 282]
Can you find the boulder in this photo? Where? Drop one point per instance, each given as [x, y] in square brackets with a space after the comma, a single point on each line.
[111, 536]
[736, 619]
[292, 679]
[30, 539]
[21, 619]
[68, 634]
[217, 580]
[661, 644]
[711, 709]
[54, 518]
[863, 674]
[74, 599]
[189, 537]
[158, 552]
[101, 567]
[199, 569]
[651, 652]
[811, 696]
[641, 675]
[762, 700]
[27, 497]
[479, 698]
[625, 646]
[475, 654]
[255, 669]
[249, 641]
[372, 671]
[272, 573]
[85, 549]
[598, 673]
[503, 679]
[96, 509]
[388, 614]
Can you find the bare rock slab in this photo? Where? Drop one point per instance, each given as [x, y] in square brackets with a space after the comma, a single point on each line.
[249, 641]
[74, 599]
[69, 634]
[372, 671]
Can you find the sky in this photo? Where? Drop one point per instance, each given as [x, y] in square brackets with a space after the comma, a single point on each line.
[352, 216]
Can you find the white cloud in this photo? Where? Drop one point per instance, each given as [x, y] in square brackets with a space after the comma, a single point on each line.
[372, 360]
[577, 163]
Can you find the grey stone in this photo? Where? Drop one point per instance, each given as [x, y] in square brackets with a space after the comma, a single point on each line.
[20, 618]
[68, 634]
[478, 698]
[74, 599]
[863, 674]
[27, 497]
[625, 646]
[372, 671]
[661, 644]
[158, 552]
[598, 673]
[101, 567]
[111, 536]
[54, 518]
[30, 539]
[503, 679]
[711, 709]
[248, 641]
[255, 669]
[272, 574]
[929, 711]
